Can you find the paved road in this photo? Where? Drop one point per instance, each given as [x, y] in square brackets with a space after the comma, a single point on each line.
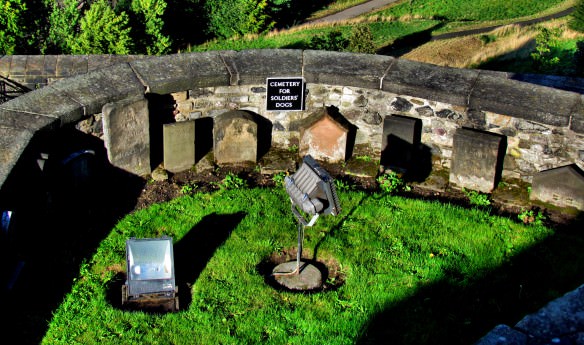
[355, 11]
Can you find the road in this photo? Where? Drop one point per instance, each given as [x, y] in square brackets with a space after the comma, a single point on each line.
[354, 11]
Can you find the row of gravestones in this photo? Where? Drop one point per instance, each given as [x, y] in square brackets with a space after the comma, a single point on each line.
[477, 157]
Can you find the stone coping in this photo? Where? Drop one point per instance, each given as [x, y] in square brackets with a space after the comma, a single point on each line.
[78, 86]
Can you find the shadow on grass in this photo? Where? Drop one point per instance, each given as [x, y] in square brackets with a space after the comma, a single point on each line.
[454, 311]
[60, 216]
[197, 247]
[407, 43]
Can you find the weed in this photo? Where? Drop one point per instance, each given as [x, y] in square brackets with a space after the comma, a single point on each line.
[278, 178]
[232, 181]
[392, 183]
[365, 158]
[188, 188]
[477, 198]
[532, 217]
[343, 186]
[293, 149]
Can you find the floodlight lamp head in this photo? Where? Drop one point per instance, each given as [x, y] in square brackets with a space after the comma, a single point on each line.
[150, 266]
[312, 190]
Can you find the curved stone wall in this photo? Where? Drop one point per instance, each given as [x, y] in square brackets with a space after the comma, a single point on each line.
[541, 118]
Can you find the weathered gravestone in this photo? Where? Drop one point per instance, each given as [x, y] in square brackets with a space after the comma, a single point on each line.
[400, 141]
[563, 187]
[476, 159]
[179, 145]
[235, 137]
[323, 136]
[126, 135]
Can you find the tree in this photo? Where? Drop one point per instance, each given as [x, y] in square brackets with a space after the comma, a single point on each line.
[228, 18]
[577, 20]
[63, 27]
[150, 13]
[11, 25]
[361, 40]
[102, 31]
[331, 41]
[543, 58]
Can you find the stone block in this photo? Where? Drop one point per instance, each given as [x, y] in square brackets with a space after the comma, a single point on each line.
[47, 101]
[503, 335]
[13, 142]
[94, 89]
[399, 142]
[179, 146]
[27, 121]
[577, 121]
[562, 187]
[235, 137]
[422, 80]
[18, 67]
[249, 67]
[5, 61]
[324, 136]
[126, 135]
[476, 159]
[532, 102]
[348, 69]
[180, 72]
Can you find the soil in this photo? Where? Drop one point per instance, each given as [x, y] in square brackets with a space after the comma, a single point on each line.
[208, 180]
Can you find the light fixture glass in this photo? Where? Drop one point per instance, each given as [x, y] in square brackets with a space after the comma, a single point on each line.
[150, 266]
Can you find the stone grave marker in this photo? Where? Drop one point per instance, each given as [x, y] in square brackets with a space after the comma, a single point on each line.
[400, 140]
[179, 145]
[126, 135]
[235, 137]
[323, 137]
[563, 187]
[476, 159]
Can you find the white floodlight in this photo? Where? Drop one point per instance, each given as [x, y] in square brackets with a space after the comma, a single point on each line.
[150, 274]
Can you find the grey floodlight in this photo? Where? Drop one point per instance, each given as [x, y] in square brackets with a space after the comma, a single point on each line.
[312, 192]
[150, 279]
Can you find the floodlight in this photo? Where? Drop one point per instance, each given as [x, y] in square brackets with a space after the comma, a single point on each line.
[312, 192]
[150, 273]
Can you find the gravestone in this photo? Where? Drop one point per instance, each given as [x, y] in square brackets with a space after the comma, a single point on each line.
[126, 135]
[323, 137]
[235, 137]
[179, 145]
[476, 160]
[400, 140]
[563, 187]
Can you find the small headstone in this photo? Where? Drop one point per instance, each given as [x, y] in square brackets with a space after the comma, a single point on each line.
[323, 137]
[562, 187]
[179, 146]
[401, 137]
[235, 137]
[126, 135]
[475, 160]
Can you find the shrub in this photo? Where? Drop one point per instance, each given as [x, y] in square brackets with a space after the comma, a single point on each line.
[332, 41]
[392, 183]
[361, 40]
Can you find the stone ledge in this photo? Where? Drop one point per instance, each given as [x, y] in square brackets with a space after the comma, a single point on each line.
[334, 68]
[13, 142]
[252, 67]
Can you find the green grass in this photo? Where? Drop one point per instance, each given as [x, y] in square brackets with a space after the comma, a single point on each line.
[415, 271]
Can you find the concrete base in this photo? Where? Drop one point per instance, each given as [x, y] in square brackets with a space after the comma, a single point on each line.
[308, 278]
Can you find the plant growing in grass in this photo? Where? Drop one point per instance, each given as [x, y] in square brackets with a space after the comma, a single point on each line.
[232, 181]
[342, 186]
[278, 178]
[392, 182]
[188, 188]
[477, 198]
[532, 217]
[543, 58]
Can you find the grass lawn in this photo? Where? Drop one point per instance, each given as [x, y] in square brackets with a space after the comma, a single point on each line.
[413, 271]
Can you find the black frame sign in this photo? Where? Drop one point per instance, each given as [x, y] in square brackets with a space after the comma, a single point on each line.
[285, 94]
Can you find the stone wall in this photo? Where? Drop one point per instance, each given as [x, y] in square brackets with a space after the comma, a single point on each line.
[542, 126]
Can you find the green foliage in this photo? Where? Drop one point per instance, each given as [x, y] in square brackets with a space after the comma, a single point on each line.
[331, 41]
[11, 22]
[577, 20]
[188, 188]
[477, 198]
[150, 13]
[278, 178]
[232, 181]
[228, 18]
[532, 216]
[392, 182]
[361, 40]
[544, 58]
[102, 31]
[342, 185]
[64, 23]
